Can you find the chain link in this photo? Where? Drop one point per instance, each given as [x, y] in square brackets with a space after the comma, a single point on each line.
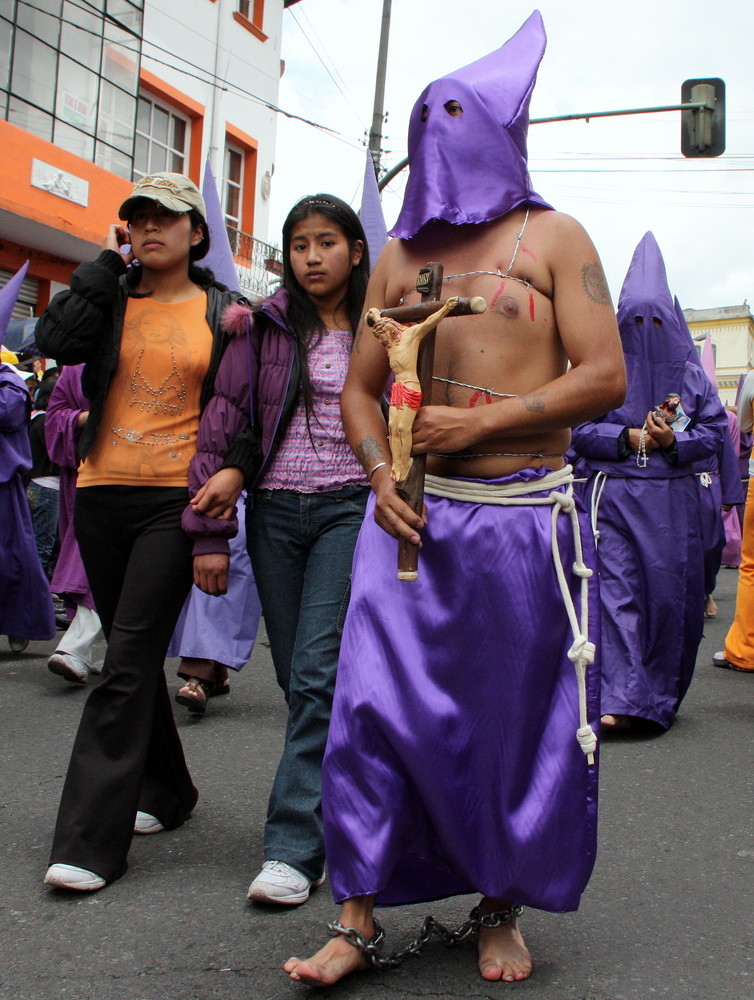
[370, 947]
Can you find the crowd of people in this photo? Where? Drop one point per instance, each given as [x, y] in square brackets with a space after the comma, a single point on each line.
[578, 464]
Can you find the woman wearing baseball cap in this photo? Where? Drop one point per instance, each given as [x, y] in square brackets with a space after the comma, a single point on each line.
[146, 321]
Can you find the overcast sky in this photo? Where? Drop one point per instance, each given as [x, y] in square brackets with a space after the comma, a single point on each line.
[617, 176]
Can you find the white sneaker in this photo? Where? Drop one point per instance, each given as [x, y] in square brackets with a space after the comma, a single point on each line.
[70, 877]
[69, 666]
[279, 883]
[147, 823]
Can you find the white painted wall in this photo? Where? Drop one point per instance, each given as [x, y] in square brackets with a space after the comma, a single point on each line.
[206, 35]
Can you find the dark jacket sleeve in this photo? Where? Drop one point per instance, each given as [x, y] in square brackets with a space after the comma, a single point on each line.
[71, 328]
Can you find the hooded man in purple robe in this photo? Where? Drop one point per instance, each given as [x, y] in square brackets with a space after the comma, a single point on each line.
[719, 486]
[461, 755]
[645, 503]
[26, 610]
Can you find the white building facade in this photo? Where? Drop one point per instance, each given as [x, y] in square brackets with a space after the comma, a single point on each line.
[95, 95]
[731, 330]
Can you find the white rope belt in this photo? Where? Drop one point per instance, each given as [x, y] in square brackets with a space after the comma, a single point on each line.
[582, 651]
[705, 479]
[600, 482]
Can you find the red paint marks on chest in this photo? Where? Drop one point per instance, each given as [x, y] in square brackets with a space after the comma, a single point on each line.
[497, 295]
[477, 395]
[531, 307]
[532, 255]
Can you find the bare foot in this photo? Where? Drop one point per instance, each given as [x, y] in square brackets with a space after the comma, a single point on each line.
[616, 723]
[502, 952]
[337, 959]
[710, 607]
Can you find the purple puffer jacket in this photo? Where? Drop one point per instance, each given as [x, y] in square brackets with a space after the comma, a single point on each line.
[239, 427]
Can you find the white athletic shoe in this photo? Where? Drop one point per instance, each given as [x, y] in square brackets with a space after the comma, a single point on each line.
[69, 666]
[147, 823]
[70, 877]
[279, 883]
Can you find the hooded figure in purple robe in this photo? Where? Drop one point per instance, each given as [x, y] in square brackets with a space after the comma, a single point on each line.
[731, 556]
[719, 484]
[471, 167]
[26, 610]
[645, 508]
[450, 766]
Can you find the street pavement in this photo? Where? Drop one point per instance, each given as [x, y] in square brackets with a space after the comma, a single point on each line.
[669, 912]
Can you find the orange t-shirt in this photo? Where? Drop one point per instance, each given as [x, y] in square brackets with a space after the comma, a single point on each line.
[147, 433]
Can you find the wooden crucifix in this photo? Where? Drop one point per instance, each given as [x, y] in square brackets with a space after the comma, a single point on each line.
[411, 352]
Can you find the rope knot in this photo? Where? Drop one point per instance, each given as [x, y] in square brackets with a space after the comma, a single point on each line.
[582, 651]
[587, 739]
[564, 500]
[582, 570]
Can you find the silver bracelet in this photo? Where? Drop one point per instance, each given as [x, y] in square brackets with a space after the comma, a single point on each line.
[375, 468]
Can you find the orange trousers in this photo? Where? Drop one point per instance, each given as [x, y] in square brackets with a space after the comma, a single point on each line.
[739, 644]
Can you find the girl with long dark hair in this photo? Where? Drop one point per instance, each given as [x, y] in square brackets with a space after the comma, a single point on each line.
[308, 494]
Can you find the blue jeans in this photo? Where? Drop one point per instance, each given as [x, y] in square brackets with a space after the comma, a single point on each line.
[44, 517]
[301, 547]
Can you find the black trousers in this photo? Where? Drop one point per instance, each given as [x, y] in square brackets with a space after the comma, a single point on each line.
[127, 754]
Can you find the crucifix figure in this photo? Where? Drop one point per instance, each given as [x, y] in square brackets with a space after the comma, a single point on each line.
[402, 343]
[411, 352]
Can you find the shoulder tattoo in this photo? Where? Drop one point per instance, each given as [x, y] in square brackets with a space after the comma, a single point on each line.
[595, 284]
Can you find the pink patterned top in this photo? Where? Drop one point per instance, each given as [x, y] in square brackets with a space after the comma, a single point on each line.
[328, 463]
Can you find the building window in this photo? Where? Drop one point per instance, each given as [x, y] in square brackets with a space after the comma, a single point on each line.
[69, 74]
[250, 14]
[162, 138]
[233, 187]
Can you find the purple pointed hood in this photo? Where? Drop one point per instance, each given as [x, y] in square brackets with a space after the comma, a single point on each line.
[370, 215]
[220, 257]
[657, 344]
[708, 360]
[472, 168]
[8, 296]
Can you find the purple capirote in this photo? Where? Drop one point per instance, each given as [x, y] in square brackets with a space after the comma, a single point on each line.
[473, 168]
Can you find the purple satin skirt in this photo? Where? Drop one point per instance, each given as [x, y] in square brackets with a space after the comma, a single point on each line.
[452, 764]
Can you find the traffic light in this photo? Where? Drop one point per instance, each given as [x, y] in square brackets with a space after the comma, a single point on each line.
[703, 129]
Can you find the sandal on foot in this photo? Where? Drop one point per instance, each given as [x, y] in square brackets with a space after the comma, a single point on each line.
[193, 695]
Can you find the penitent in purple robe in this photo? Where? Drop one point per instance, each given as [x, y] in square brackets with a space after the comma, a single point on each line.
[452, 764]
[25, 603]
[67, 403]
[717, 478]
[731, 520]
[719, 483]
[648, 518]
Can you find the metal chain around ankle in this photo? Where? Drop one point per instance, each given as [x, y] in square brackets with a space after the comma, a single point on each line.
[370, 947]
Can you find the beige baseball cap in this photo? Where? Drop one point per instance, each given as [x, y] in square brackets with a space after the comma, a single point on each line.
[175, 191]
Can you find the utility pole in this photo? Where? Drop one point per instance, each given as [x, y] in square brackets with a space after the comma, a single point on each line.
[375, 135]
